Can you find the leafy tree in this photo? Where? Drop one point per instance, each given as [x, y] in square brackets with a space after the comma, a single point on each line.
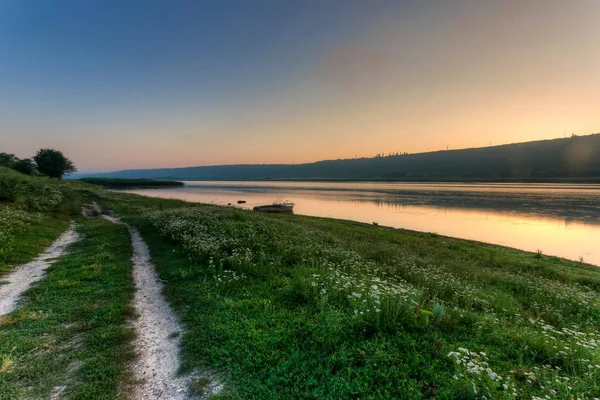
[8, 160]
[53, 163]
[25, 166]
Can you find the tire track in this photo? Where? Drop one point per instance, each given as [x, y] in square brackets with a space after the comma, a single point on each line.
[25, 275]
[157, 331]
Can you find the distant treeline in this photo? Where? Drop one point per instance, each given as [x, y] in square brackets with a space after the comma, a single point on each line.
[570, 159]
[117, 183]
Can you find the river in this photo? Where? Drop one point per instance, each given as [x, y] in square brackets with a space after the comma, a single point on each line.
[558, 219]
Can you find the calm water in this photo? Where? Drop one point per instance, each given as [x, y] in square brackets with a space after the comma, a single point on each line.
[561, 220]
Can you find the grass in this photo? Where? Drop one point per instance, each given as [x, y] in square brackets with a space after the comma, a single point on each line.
[118, 183]
[33, 212]
[302, 307]
[70, 336]
[28, 237]
[296, 307]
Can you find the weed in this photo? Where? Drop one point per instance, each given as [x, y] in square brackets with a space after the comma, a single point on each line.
[439, 310]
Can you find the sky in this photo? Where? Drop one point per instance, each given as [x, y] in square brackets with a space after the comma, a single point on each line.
[118, 84]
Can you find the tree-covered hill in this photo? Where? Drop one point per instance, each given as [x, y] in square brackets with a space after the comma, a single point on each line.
[575, 158]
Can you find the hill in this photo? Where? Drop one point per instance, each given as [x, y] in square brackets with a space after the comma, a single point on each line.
[575, 158]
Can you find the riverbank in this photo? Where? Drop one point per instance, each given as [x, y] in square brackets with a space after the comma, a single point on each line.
[559, 220]
[288, 306]
[302, 307]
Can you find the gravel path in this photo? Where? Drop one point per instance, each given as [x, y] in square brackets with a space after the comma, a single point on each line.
[26, 274]
[157, 331]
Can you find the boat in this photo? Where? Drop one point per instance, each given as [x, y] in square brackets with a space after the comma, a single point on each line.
[284, 207]
[241, 201]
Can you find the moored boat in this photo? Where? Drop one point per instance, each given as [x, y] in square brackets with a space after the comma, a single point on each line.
[276, 208]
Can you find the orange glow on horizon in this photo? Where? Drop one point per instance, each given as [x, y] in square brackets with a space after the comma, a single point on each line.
[453, 76]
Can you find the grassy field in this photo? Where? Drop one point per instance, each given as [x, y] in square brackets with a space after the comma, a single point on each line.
[301, 307]
[279, 306]
[70, 337]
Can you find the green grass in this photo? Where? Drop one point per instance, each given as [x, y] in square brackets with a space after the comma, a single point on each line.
[29, 240]
[302, 307]
[71, 331]
[33, 212]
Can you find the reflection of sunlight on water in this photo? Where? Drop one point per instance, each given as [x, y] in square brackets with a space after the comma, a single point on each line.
[528, 231]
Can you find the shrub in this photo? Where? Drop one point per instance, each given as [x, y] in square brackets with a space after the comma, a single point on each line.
[25, 166]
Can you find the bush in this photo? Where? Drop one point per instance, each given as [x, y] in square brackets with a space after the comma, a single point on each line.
[7, 160]
[11, 187]
[25, 166]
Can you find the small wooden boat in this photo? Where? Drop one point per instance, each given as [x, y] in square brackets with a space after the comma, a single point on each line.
[276, 208]
[241, 201]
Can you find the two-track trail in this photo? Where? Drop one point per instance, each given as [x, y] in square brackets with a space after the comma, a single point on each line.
[157, 330]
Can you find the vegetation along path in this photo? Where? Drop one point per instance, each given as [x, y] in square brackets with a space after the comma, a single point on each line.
[14, 284]
[70, 339]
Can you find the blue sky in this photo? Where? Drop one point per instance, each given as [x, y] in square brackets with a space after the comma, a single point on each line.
[113, 53]
[119, 84]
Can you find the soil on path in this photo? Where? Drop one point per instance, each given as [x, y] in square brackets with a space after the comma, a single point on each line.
[23, 276]
[157, 331]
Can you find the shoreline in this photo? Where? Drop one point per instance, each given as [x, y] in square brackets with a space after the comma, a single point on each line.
[581, 218]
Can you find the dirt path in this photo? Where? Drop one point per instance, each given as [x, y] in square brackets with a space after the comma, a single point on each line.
[23, 276]
[157, 331]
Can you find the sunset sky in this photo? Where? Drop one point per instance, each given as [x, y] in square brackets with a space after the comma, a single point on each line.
[134, 84]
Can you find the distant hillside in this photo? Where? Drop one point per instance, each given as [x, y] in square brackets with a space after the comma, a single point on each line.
[575, 158]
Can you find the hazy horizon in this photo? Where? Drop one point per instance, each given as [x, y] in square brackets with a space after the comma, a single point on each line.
[306, 162]
[154, 84]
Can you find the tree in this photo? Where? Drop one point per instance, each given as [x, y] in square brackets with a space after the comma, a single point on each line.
[53, 163]
[25, 166]
[7, 160]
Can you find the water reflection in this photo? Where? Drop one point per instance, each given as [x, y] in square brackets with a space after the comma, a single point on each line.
[561, 220]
